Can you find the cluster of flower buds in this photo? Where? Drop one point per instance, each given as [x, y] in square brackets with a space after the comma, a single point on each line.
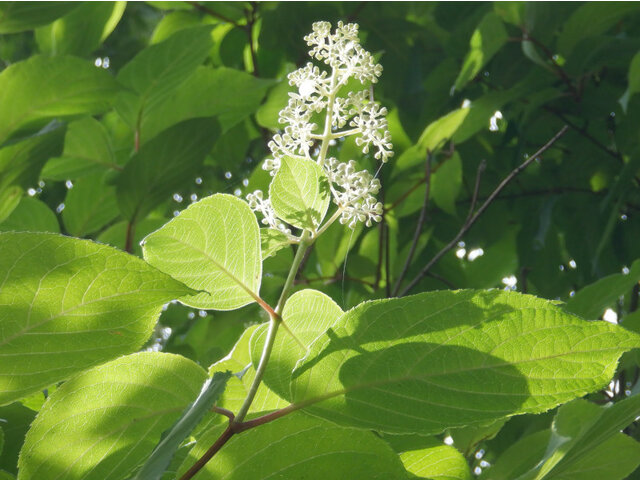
[353, 113]
[258, 203]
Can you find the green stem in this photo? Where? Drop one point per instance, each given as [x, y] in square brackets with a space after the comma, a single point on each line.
[274, 323]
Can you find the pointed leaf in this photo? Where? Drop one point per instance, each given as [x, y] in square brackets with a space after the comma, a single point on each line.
[73, 87]
[297, 446]
[104, 422]
[67, 304]
[591, 301]
[82, 30]
[485, 42]
[212, 246]
[445, 359]
[299, 193]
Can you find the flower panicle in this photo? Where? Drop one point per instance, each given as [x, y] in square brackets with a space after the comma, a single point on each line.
[318, 92]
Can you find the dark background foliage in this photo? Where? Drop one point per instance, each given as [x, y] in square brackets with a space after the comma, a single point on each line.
[97, 147]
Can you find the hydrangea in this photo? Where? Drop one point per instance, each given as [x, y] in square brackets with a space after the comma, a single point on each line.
[357, 114]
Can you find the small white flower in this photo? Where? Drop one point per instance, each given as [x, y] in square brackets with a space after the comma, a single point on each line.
[316, 92]
[258, 203]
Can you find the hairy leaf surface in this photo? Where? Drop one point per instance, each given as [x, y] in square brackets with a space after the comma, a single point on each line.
[445, 359]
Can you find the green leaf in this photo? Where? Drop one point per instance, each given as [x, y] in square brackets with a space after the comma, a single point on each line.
[161, 456]
[586, 429]
[487, 39]
[297, 446]
[87, 149]
[20, 16]
[73, 87]
[21, 162]
[237, 95]
[16, 420]
[89, 205]
[159, 69]
[438, 360]
[591, 301]
[104, 422]
[116, 234]
[446, 183]
[31, 215]
[299, 193]
[163, 166]
[9, 200]
[519, 457]
[174, 22]
[67, 304]
[308, 314]
[239, 361]
[589, 20]
[212, 246]
[634, 81]
[272, 240]
[82, 30]
[438, 462]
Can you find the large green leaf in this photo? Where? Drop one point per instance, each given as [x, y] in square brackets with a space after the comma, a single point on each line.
[158, 69]
[444, 359]
[16, 419]
[308, 314]
[72, 87]
[82, 30]
[299, 193]
[68, 304]
[161, 456]
[591, 301]
[87, 149]
[229, 94]
[104, 422]
[485, 42]
[20, 16]
[31, 215]
[163, 166]
[213, 246]
[298, 446]
[89, 205]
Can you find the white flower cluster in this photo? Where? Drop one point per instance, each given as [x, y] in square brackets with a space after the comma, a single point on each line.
[258, 203]
[354, 114]
[354, 190]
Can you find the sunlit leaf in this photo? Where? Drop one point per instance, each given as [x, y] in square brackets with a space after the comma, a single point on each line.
[67, 304]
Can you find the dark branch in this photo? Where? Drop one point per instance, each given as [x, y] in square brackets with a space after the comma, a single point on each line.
[421, 219]
[472, 218]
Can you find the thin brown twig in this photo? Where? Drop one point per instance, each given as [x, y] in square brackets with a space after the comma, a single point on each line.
[472, 218]
[420, 224]
[223, 411]
[215, 448]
